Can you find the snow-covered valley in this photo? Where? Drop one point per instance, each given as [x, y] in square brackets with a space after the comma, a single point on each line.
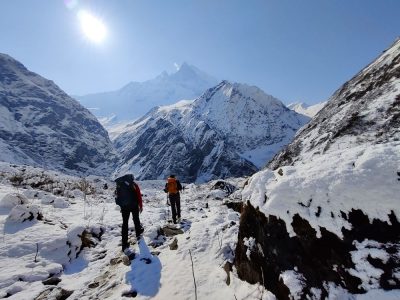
[33, 251]
[320, 221]
[71, 248]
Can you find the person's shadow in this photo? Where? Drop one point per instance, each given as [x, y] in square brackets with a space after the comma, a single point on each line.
[145, 274]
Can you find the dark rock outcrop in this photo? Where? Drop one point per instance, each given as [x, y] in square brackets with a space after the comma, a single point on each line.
[51, 281]
[54, 293]
[318, 260]
[227, 187]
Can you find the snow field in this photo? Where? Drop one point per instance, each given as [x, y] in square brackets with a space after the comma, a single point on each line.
[32, 251]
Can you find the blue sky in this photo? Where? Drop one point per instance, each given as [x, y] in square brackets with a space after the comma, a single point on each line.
[294, 50]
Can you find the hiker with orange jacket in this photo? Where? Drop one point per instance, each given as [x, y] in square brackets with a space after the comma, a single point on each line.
[172, 187]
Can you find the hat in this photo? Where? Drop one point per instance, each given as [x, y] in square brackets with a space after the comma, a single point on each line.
[118, 175]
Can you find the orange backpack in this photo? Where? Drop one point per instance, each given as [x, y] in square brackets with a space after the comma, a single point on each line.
[172, 186]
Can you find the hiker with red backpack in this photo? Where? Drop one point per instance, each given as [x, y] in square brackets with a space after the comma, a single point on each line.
[173, 187]
[129, 198]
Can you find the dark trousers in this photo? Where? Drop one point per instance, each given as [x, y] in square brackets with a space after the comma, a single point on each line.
[125, 221]
[175, 200]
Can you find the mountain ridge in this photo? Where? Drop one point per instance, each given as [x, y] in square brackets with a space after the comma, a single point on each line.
[214, 125]
[137, 98]
[41, 125]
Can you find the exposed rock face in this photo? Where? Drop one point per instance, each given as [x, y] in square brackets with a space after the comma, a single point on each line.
[318, 259]
[160, 149]
[42, 126]
[230, 131]
[225, 186]
[325, 220]
[54, 293]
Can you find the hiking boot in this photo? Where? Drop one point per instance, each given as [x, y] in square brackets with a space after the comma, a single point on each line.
[124, 247]
[140, 231]
[128, 251]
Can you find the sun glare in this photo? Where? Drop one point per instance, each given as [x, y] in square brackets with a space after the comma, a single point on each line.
[92, 27]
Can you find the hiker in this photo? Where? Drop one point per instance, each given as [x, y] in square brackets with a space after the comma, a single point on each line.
[129, 198]
[172, 187]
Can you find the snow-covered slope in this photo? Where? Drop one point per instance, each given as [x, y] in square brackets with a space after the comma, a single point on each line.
[329, 205]
[305, 109]
[71, 247]
[228, 131]
[137, 98]
[41, 125]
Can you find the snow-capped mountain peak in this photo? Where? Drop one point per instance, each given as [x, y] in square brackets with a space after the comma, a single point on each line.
[187, 72]
[231, 130]
[239, 110]
[137, 98]
[234, 93]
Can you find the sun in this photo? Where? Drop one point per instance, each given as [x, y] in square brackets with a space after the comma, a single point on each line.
[93, 28]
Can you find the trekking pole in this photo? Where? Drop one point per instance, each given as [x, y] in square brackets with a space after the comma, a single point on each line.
[167, 208]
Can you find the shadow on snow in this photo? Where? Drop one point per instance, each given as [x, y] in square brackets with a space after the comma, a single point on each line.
[145, 273]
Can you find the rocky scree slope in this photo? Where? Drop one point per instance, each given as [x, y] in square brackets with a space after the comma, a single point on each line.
[323, 219]
[41, 125]
[231, 130]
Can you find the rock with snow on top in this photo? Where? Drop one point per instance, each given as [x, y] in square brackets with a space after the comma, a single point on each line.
[25, 212]
[12, 200]
[74, 240]
[47, 198]
[60, 203]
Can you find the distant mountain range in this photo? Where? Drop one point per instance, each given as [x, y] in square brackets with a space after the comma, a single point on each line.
[137, 98]
[40, 125]
[231, 130]
[305, 109]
